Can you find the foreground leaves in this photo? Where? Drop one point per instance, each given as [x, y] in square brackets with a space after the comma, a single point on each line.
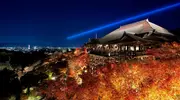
[150, 79]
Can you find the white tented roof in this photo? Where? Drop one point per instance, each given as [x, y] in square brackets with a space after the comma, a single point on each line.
[159, 29]
[134, 28]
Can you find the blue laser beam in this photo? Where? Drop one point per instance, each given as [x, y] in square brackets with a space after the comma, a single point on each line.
[124, 21]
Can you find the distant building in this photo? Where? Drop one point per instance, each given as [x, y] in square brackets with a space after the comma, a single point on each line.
[35, 47]
[131, 39]
[29, 47]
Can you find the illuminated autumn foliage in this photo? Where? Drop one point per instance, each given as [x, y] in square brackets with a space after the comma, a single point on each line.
[154, 78]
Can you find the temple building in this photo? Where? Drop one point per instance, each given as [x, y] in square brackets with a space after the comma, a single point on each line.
[131, 39]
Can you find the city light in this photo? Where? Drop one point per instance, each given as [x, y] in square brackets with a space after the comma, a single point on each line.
[124, 21]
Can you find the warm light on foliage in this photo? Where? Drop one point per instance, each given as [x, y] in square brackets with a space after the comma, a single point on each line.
[150, 79]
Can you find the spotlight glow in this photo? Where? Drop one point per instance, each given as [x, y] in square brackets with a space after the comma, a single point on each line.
[124, 21]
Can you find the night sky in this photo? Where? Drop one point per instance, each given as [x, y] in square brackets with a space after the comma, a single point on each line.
[49, 22]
